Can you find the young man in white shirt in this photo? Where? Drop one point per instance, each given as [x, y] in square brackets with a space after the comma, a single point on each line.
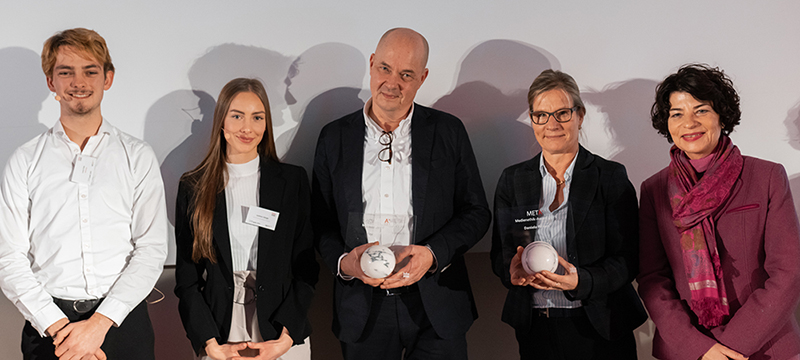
[83, 223]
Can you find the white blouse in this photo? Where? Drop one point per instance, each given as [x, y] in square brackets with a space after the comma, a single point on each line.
[241, 191]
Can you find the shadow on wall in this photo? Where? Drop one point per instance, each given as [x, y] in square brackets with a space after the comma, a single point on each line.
[226, 62]
[792, 123]
[178, 125]
[491, 98]
[322, 85]
[167, 124]
[627, 105]
[21, 96]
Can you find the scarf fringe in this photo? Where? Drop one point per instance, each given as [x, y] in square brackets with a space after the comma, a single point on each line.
[710, 312]
[717, 266]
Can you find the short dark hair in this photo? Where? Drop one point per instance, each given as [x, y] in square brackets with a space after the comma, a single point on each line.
[705, 83]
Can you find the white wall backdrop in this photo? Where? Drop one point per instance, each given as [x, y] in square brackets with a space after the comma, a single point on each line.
[173, 57]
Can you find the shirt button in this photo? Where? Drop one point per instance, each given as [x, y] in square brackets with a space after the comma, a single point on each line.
[386, 195]
[85, 221]
[83, 196]
[387, 168]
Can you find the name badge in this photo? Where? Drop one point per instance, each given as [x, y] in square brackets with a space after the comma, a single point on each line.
[262, 217]
[83, 169]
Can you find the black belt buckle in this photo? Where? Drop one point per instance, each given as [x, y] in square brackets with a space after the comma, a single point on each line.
[84, 306]
[543, 312]
[397, 291]
[550, 313]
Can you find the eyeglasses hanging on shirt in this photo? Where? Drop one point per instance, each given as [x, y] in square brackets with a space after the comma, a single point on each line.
[385, 154]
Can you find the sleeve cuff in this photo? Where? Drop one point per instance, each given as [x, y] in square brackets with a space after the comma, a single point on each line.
[584, 288]
[339, 269]
[435, 265]
[46, 317]
[114, 309]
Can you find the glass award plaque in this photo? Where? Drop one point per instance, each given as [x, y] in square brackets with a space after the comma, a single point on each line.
[517, 227]
[387, 229]
[392, 232]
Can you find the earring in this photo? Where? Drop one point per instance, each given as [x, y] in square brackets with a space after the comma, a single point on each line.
[58, 98]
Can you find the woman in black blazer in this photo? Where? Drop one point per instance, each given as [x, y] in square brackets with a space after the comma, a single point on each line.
[585, 207]
[245, 267]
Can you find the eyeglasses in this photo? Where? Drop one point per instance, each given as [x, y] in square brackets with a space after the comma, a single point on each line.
[561, 115]
[385, 154]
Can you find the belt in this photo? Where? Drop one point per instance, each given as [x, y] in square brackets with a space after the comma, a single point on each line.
[396, 291]
[79, 306]
[558, 312]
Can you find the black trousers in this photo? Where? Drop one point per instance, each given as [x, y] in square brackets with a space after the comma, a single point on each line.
[132, 340]
[399, 328]
[571, 338]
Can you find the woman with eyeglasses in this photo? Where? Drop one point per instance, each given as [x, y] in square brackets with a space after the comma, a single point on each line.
[583, 206]
[245, 267]
[720, 240]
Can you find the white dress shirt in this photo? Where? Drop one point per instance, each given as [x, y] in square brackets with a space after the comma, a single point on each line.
[385, 187]
[59, 238]
[552, 228]
[241, 192]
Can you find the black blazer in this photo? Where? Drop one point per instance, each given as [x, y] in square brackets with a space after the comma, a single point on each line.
[287, 270]
[602, 242]
[449, 207]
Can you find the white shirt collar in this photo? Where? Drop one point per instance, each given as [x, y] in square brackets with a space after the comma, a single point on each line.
[244, 169]
[374, 131]
[567, 174]
[105, 127]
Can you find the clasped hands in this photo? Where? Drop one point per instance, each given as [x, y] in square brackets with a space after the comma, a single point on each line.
[543, 280]
[721, 352]
[80, 340]
[267, 350]
[416, 260]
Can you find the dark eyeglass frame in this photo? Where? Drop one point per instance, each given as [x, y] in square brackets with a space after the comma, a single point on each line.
[534, 119]
[386, 140]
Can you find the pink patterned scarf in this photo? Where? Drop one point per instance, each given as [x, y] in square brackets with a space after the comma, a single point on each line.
[694, 204]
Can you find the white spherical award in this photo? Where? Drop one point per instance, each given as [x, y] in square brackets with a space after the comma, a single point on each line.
[378, 261]
[539, 256]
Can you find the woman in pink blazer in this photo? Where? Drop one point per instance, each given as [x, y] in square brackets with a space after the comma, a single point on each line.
[719, 235]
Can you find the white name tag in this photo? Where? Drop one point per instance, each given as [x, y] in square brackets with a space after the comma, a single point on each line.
[262, 217]
[83, 169]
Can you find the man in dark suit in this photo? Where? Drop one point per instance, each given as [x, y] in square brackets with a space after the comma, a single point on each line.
[363, 167]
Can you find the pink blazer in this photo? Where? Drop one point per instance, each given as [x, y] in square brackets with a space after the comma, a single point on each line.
[758, 238]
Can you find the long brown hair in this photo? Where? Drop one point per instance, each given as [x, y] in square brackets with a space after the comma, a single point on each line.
[208, 179]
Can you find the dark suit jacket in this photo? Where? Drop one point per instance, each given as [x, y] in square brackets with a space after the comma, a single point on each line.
[449, 206]
[758, 238]
[602, 242]
[286, 271]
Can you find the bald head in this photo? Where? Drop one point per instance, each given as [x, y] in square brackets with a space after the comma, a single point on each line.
[405, 37]
[396, 71]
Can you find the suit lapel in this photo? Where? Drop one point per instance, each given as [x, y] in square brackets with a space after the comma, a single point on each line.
[422, 131]
[221, 235]
[352, 166]
[270, 192]
[528, 185]
[585, 180]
